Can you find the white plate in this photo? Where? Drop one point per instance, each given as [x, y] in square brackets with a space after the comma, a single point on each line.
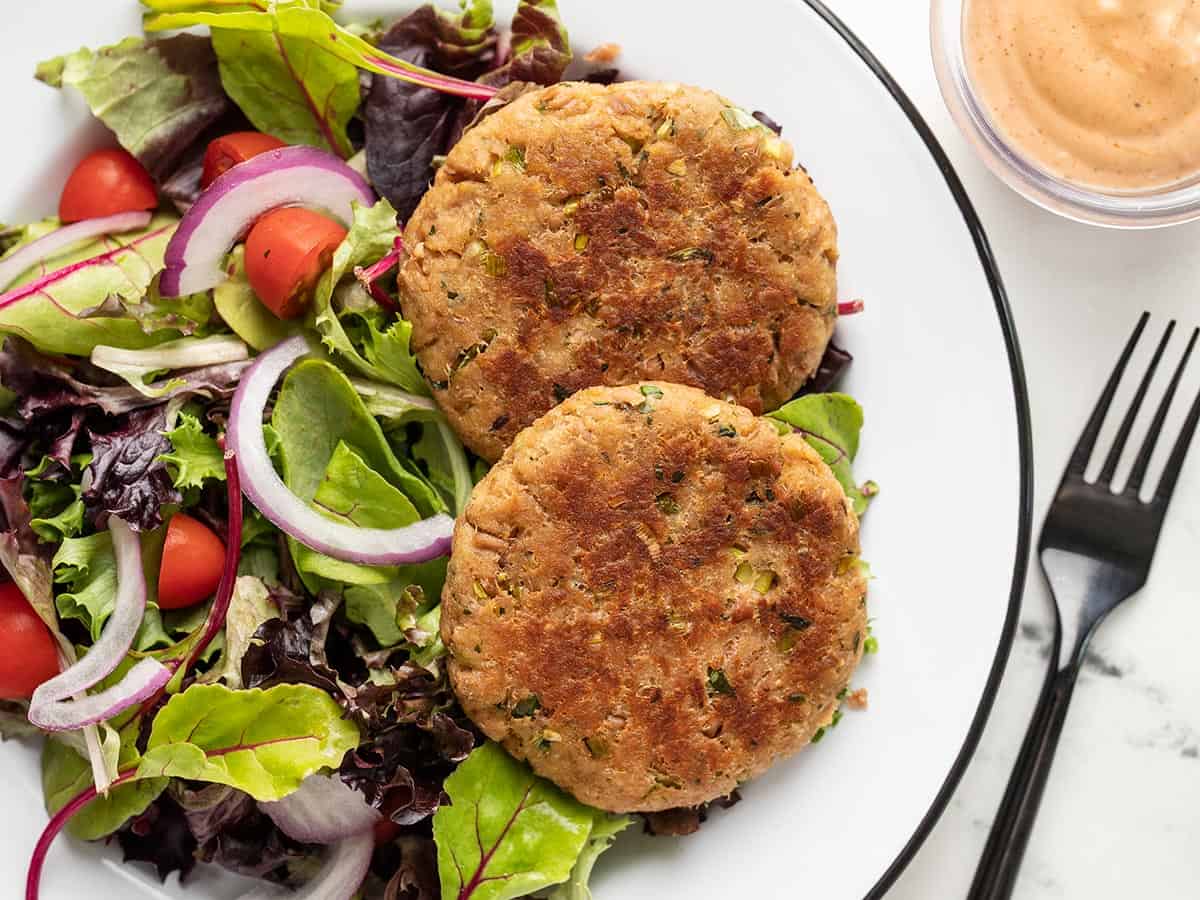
[947, 437]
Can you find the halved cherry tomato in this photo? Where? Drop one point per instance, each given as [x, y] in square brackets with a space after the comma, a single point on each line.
[191, 563]
[105, 183]
[227, 151]
[27, 654]
[286, 252]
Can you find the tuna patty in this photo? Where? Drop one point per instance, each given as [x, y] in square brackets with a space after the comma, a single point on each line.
[588, 235]
[653, 596]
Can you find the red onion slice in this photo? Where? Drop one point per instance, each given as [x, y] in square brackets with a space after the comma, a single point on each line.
[323, 810]
[419, 542]
[289, 176]
[340, 876]
[51, 707]
[49, 245]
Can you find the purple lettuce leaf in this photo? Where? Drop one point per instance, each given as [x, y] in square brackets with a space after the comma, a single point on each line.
[416, 875]
[541, 50]
[252, 845]
[280, 653]
[160, 836]
[46, 384]
[407, 126]
[127, 478]
[829, 372]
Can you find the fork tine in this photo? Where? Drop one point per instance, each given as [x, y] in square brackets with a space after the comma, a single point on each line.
[1118, 447]
[1162, 494]
[1087, 440]
[1138, 474]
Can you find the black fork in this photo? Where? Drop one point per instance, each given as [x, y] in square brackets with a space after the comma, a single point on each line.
[1096, 549]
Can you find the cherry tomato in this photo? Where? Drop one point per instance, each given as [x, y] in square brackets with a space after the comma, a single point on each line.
[286, 252]
[191, 563]
[105, 183]
[226, 152]
[27, 653]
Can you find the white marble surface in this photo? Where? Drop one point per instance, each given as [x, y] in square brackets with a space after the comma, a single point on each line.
[1121, 815]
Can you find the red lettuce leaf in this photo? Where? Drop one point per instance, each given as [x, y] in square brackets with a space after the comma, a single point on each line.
[407, 126]
[127, 478]
[161, 837]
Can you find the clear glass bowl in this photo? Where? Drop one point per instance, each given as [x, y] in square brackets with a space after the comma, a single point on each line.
[1115, 209]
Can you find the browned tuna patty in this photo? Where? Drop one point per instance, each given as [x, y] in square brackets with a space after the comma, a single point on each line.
[653, 596]
[600, 235]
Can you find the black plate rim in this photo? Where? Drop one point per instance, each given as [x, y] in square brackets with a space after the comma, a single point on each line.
[1025, 443]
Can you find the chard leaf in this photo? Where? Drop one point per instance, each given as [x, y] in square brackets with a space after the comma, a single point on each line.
[604, 831]
[299, 20]
[289, 87]
[65, 774]
[194, 456]
[831, 424]
[239, 306]
[261, 742]
[507, 833]
[81, 298]
[378, 350]
[157, 96]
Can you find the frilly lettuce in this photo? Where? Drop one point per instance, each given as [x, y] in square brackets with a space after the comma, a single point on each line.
[362, 337]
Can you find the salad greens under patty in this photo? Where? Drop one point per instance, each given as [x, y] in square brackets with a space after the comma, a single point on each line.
[277, 704]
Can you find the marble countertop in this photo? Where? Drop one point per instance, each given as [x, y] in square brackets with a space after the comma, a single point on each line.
[1121, 814]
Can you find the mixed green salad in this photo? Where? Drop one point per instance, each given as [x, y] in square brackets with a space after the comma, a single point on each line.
[226, 494]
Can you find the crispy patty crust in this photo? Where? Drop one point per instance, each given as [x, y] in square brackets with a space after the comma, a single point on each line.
[653, 596]
[587, 235]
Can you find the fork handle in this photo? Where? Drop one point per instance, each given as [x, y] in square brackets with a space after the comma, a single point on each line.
[996, 876]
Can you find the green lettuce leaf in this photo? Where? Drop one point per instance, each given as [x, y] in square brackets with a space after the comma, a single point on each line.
[89, 295]
[831, 424]
[289, 87]
[391, 608]
[156, 96]
[541, 49]
[194, 457]
[239, 307]
[317, 410]
[604, 831]
[66, 774]
[88, 569]
[262, 742]
[506, 832]
[445, 461]
[56, 508]
[250, 607]
[377, 349]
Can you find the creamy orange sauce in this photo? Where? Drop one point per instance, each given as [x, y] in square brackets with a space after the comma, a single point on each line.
[1104, 93]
